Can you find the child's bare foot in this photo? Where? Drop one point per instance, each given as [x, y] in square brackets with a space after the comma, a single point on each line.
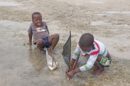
[98, 72]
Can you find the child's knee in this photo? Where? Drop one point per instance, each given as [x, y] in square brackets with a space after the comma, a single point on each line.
[39, 43]
[108, 55]
[56, 36]
[99, 58]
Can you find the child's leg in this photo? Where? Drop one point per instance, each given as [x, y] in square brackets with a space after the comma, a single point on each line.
[53, 39]
[109, 56]
[40, 44]
[98, 68]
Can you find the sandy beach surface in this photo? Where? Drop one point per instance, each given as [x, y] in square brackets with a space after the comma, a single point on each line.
[108, 20]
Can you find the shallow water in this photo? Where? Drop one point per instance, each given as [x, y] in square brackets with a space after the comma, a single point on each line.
[21, 65]
[118, 12]
[103, 23]
[95, 23]
[97, 1]
[110, 13]
[82, 2]
[8, 3]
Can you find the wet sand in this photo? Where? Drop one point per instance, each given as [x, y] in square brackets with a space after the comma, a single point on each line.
[21, 65]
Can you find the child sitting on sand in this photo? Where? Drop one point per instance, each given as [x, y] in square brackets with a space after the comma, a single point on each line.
[97, 52]
[40, 33]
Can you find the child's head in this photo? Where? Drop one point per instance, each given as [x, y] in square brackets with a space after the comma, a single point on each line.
[86, 41]
[37, 19]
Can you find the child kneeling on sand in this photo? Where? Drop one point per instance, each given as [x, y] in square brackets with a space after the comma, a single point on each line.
[96, 53]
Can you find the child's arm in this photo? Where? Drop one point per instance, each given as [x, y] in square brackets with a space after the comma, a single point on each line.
[73, 68]
[87, 66]
[46, 27]
[72, 62]
[74, 59]
[30, 35]
[92, 59]
[73, 72]
[30, 38]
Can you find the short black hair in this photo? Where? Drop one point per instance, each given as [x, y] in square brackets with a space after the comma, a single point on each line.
[86, 40]
[36, 13]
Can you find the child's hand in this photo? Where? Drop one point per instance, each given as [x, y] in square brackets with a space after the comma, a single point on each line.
[30, 43]
[68, 70]
[70, 74]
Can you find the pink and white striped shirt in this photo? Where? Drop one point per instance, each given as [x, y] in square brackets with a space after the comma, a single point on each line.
[99, 49]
